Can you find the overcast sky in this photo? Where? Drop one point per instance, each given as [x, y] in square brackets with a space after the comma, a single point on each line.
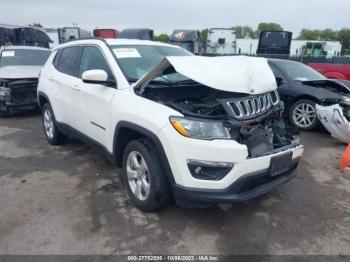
[164, 15]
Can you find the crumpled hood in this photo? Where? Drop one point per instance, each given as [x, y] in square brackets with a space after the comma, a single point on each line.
[16, 72]
[340, 85]
[240, 74]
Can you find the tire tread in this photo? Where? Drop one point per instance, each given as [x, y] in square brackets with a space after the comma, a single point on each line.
[162, 194]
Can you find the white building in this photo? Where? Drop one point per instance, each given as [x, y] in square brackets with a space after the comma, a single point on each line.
[221, 41]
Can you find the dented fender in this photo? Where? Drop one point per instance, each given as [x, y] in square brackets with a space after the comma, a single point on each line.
[333, 119]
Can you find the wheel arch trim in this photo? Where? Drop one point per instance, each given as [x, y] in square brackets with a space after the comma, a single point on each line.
[42, 94]
[118, 152]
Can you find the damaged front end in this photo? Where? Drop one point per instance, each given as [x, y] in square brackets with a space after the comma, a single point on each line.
[334, 112]
[258, 123]
[18, 94]
[237, 94]
[253, 120]
[335, 118]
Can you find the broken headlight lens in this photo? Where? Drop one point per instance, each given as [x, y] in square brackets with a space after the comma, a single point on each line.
[200, 129]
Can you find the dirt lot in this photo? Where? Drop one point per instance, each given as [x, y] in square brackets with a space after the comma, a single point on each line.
[69, 200]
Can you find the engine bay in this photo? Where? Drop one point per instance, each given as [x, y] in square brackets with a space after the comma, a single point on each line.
[258, 124]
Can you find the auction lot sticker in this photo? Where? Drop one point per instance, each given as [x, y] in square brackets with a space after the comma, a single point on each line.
[126, 52]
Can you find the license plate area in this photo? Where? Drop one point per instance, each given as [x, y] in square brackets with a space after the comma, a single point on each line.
[280, 164]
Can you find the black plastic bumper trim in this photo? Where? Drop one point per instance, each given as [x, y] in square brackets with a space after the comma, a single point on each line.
[235, 192]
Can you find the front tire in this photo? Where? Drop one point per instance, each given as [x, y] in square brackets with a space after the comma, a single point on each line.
[303, 115]
[53, 135]
[144, 177]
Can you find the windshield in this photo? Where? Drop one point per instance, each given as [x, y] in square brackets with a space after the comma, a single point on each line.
[137, 60]
[14, 57]
[301, 72]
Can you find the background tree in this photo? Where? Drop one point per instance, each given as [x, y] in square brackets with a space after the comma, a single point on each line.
[268, 27]
[239, 31]
[343, 37]
[309, 34]
[244, 32]
[203, 36]
[36, 25]
[162, 38]
[328, 34]
[248, 31]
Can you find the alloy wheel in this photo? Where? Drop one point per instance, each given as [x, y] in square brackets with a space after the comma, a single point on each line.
[48, 124]
[138, 175]
[304, 115]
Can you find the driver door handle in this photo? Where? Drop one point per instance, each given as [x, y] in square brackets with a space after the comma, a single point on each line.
[76, 88]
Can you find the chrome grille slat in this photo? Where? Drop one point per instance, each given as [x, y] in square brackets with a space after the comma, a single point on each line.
[240, 109]
[257, 102]
[253, 106]
[249, 112]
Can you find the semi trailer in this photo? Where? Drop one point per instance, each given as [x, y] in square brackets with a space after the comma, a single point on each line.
[188, 39]
[71, 33]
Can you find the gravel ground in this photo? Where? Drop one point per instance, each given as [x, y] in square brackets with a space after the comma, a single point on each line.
[69, 200]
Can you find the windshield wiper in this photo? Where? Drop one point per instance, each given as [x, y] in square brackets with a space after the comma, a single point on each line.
[161, 82]
[132, 80]
[186, 81]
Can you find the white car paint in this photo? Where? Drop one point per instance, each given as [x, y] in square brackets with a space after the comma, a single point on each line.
[20, 71]
[94, 75]
[334, 121]
[78, 104]
[16, 72]
[218, 73]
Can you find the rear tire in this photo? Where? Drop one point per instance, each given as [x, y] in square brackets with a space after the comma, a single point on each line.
[303, 115]
[53, 135]
[144, 176]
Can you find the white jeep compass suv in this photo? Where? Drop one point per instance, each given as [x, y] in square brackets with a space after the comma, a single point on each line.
[199, 130]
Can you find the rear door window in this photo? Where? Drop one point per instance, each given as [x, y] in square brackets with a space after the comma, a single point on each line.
[69, 61]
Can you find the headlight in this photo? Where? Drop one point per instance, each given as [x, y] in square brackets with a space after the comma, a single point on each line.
[201, 129]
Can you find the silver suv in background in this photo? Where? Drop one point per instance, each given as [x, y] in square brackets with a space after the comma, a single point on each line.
[19, 72]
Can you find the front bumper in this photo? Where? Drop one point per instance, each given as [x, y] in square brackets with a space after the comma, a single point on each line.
[18, 94]
[246, 187]
[334, 121]
[18, 106]
[180, 149]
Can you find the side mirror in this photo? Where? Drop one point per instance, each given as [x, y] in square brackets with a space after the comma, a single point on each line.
[96, 76]
[280, 81]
